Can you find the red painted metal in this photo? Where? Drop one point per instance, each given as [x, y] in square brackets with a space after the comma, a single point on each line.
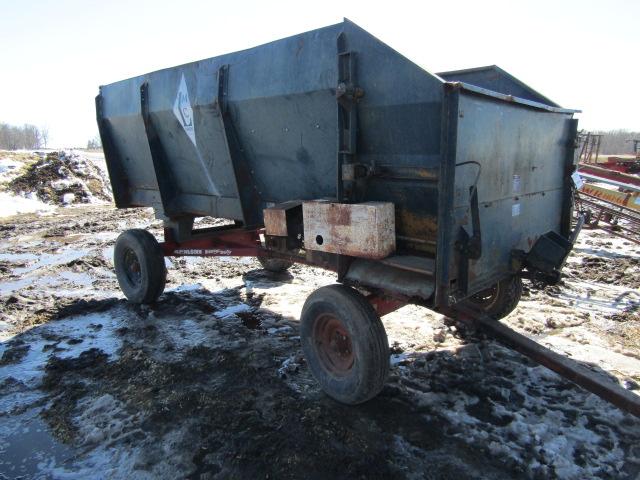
[609, 174]
[333, 344]
[621, 164]
[617, 167]
[232, 242]
[383, 304]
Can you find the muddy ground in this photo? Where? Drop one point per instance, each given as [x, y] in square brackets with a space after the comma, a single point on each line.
[210, 382]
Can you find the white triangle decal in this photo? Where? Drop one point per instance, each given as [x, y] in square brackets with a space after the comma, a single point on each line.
[183, 111]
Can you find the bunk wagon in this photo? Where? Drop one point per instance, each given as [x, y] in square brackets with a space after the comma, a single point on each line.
[331, 149]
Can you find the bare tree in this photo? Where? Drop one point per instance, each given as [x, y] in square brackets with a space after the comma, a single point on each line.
[617, 142]
[95, 143]
[27, 136]
[44, 133]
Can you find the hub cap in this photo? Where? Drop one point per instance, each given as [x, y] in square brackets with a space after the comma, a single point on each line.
[132, 267]
[333, 344]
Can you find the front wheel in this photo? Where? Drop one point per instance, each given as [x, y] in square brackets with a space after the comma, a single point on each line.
[139, 264]
[345, 344]
[501, 299]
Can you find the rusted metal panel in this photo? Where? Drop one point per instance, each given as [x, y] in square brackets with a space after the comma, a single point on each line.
[275, 222]
[365, 230]
[213, 242]
[417, 230]
[275, 218]
[395, 281]
[384, 304]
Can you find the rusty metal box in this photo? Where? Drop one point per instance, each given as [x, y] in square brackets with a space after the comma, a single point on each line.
[278, 218]
[365, 230]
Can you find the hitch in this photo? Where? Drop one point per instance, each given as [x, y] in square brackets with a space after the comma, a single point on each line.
[568, 368]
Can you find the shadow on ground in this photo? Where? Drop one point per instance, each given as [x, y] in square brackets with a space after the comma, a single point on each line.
[192, 395]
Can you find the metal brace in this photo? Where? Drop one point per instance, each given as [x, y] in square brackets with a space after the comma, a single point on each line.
[469, 246]
[347, 96]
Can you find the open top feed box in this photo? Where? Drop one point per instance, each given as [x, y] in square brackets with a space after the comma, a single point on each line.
[330, 148]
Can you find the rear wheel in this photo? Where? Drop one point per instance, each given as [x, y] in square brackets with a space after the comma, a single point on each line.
[501, 299]
[274, 264]
[345, 344]
[139, 264]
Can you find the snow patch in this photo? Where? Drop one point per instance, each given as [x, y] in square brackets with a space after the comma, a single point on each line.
[66, 338]
[232, 310]
[11, 205]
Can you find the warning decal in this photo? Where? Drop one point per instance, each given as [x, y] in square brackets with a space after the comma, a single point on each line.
[183, 111]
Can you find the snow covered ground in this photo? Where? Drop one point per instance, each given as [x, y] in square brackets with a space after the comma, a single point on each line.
[37, 182]
[211, 383]
[11, 205]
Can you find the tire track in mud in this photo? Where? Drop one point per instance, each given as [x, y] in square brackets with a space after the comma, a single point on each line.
[210, 381]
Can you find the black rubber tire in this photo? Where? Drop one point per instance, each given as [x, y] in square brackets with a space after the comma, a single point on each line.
[274, 264]
[501, 299]
[369, 347]
[144, 281]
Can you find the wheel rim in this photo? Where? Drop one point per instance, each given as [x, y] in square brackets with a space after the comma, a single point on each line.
[333, 345]
[132, 267]
[486, 298]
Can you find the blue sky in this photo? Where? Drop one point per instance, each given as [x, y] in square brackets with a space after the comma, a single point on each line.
[55, 54]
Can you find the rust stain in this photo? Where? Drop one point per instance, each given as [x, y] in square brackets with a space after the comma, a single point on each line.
[422, 227]
[360, 230]
[275, 222]
[339, 215]
[427, 173]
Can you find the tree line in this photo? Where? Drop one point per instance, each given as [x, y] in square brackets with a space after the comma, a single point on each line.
[14, 137]
[617, 142]
[94, 143]
[29, 137]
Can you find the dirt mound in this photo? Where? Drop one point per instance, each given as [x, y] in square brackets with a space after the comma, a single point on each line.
[63, 178]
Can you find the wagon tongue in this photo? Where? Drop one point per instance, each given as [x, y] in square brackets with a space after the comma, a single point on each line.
[564, 366]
